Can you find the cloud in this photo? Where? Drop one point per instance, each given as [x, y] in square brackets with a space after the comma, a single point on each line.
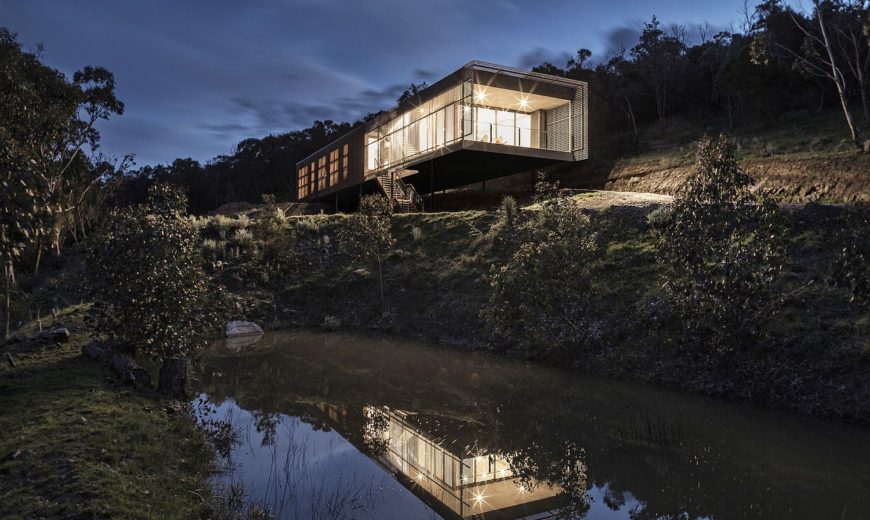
[427, 75]
[620, 38]
[539, 55]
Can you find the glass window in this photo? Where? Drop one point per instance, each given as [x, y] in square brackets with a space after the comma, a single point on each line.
[333, 167]
[303, 182]
[439, 127]
[372, 162]
[345, 163]
[450, 124]
[485, 122]
[505, 128]
[321, 173]
[524, 130]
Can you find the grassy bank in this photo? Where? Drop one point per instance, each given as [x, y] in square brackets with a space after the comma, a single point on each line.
[437, 281]
[77, 443]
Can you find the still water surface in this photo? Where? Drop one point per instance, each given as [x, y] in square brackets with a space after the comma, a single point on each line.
[330, 425]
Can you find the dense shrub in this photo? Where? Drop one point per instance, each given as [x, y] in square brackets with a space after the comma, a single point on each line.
[543, 296]
[722, 251]
[145, 272]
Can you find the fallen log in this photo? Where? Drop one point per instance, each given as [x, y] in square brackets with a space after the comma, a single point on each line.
[58, 335]
[129, 371]
[9, 359]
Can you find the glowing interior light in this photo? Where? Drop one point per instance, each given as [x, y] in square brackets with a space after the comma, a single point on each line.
[524, 103]
[466, 108]
[479, 499]
[480, 95]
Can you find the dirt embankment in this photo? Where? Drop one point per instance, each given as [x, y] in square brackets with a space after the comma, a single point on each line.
[844, 179]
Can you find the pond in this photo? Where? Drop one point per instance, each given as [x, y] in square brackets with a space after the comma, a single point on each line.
[332, 425]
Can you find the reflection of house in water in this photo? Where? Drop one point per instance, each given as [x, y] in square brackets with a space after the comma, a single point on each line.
[443, 462]
[465, 483]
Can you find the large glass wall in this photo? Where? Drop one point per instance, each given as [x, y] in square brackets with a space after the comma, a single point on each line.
[513, 118]
[503, 127]
[433, 124]
[473, 112]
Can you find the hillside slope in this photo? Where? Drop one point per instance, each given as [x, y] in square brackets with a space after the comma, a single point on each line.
[802, 158]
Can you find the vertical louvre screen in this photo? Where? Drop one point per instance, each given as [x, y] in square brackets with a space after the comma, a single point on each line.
[558, 133]
[580, 124]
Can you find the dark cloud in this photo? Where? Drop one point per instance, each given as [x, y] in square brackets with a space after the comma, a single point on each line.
[621, 38]
[428, 75]
[539, 55]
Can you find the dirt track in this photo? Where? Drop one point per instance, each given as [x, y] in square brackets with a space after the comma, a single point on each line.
[829, 180]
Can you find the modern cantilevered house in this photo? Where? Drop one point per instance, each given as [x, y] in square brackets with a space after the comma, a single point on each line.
[482, 122]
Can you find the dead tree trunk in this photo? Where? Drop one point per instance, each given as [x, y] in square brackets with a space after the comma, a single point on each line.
[38, 252]
[838, 78]
[7, 308]
[174, 378]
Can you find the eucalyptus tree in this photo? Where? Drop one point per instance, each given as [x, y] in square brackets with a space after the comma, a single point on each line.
[657, 56]
[368, 236]
[834, 48]
[23, 188]
[52, 122]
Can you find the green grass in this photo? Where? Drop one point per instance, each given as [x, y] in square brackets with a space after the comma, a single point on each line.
[89, 447]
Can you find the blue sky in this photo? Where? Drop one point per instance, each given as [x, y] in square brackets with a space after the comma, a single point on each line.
[198, 76]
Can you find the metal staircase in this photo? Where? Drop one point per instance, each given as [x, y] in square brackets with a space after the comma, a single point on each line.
[405, 198]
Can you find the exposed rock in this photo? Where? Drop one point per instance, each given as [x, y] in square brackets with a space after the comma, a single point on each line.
[242, 328]
[58, 334]
[130, 371]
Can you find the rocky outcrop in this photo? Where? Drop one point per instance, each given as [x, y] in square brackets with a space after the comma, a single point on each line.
[235, 329]
[129, 371]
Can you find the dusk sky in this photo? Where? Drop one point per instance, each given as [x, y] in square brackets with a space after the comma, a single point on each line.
[198, 76]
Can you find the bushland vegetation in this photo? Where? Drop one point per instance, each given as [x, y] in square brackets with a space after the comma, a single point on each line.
[721, 292]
